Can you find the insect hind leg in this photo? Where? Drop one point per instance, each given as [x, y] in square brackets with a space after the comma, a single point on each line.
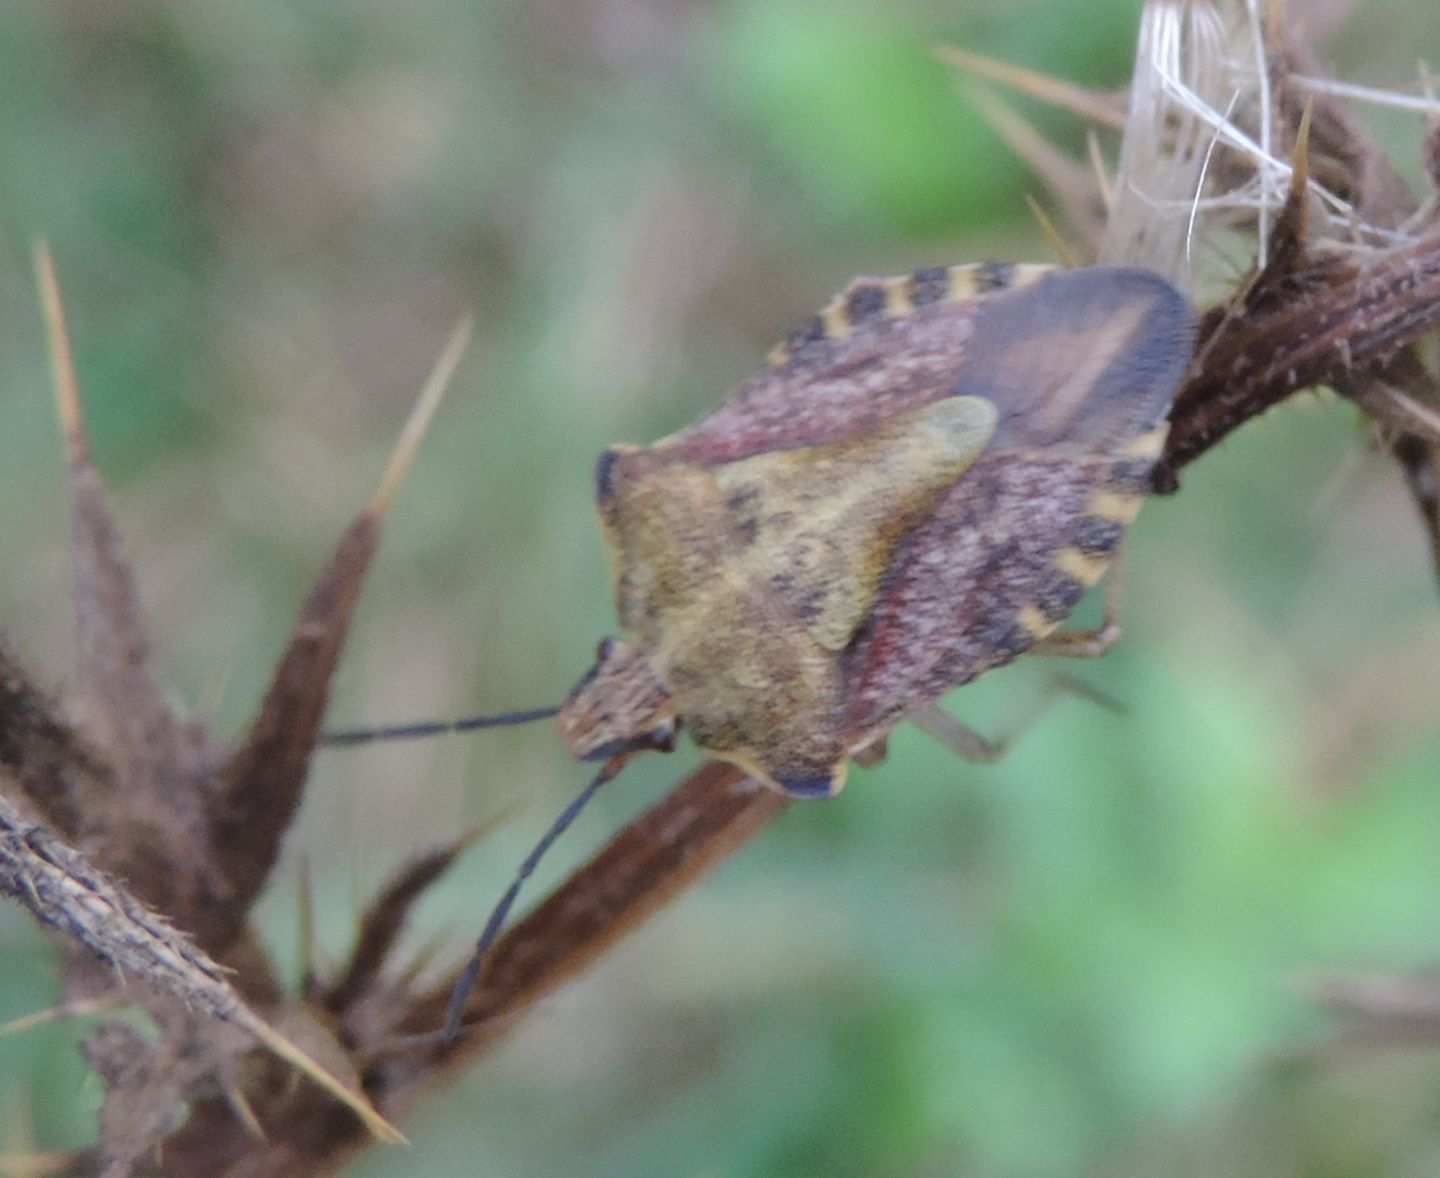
[970, 745]
[961, 739]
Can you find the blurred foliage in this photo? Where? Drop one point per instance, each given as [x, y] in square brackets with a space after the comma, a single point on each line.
[267, 214]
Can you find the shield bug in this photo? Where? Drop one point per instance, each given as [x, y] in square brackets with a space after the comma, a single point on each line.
[919, 488]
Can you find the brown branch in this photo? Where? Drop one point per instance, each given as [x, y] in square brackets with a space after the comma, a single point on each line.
[65, 892]
[253, 796]
[705, 819]
[44, 755]
[383, 922]
[1336, 320]
[122, 706]
[256, 792]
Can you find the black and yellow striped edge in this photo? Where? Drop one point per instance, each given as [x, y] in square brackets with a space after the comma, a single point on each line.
[1084, 560]
[868, 300]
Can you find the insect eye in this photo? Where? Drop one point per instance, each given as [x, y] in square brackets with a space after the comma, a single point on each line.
[662, 736]
[604, 650]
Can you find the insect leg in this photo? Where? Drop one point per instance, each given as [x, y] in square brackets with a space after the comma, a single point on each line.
[970, 745]
[961, 739]
[1091, 644]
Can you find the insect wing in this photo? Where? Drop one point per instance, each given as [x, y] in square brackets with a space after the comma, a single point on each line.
[1082, 368]
[884, 347]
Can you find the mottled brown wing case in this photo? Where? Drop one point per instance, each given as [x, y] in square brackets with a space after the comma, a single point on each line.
[884, 347]
[1016, 346]
[1082, 367]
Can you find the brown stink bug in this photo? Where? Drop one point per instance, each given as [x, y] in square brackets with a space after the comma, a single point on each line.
[919, 488]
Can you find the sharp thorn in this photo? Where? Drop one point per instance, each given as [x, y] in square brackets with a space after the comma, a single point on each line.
[426, 404]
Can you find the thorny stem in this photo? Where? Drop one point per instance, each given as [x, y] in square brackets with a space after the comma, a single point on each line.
[1327, 320]
[1336, 324]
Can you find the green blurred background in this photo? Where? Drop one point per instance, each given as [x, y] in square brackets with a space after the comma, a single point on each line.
[267, 214]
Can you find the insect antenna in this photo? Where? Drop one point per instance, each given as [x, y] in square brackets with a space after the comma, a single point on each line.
[353, 736]
[471, 974]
